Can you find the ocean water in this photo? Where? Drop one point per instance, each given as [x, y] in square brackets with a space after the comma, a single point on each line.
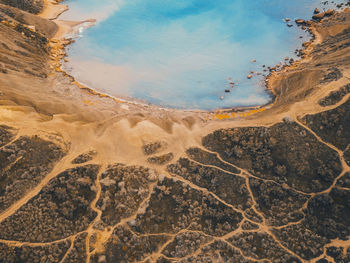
[184, 53]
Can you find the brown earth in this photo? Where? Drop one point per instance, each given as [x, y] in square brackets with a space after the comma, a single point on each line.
[88, 178]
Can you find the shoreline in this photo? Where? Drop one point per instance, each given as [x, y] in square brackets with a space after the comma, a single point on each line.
[69, 27]
[89, 180]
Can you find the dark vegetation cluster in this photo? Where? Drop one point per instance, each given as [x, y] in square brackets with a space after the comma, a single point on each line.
[124, 188]
[279, 204]
[344, 181]
[347, 154]
[23, 164]
[186, 243]
[335, 96]
[78, 252]
[326, 218]
[332, 126]
[217, 251]
[61, 209]
[261, 246]
[23, 49]
[333, 74]
[229, 187]
[248, 225]
[339, 254]
[301, 241]
[84, 157]
[52, 253]
[125, 246]
[286, 162]
[6, 135]
[31, 6]
[153, 147]
[253, 216]
[174, 206]
[208, 158]
[161, 159]
[285, 152]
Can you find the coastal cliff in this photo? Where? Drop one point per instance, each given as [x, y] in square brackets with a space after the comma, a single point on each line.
[88, 178]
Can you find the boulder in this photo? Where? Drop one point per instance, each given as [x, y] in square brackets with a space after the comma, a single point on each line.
[322, 15]
[300, 21]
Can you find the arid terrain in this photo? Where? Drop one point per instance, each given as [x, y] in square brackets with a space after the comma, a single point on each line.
[89, 178]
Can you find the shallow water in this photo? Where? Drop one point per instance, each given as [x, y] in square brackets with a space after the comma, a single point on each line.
[184, 53]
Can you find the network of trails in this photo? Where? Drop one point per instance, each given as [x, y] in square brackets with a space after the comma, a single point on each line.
[86, 178]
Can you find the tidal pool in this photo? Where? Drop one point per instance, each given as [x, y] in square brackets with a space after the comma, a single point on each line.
[184, 53]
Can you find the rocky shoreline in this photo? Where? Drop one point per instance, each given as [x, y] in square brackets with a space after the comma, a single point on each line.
[224, 113]
[85, 179]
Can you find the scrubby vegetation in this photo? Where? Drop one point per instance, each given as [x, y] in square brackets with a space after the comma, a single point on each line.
[333, 74]
[218, 251]
[339, 254]
[229, 187]
[153, 147]
[326, 218]
[261, 246]
[332, 126]
[279, 204]
[84, 157]
[31, 6]
[208, 158]
[253, 194]
[335, 96]
[327, 214]
[347, 154]
[344, 181]
[23, 164]
[52, 253]
[78, 252]
[6, 135]
[301, 241]
[61, 209]
[123, 190]
[161, 159]
[191, 209]
[124, 246]
[286, 153]
[184, 244]
[21, 48]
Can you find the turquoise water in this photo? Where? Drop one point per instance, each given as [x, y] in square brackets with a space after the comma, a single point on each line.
[184, 53]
